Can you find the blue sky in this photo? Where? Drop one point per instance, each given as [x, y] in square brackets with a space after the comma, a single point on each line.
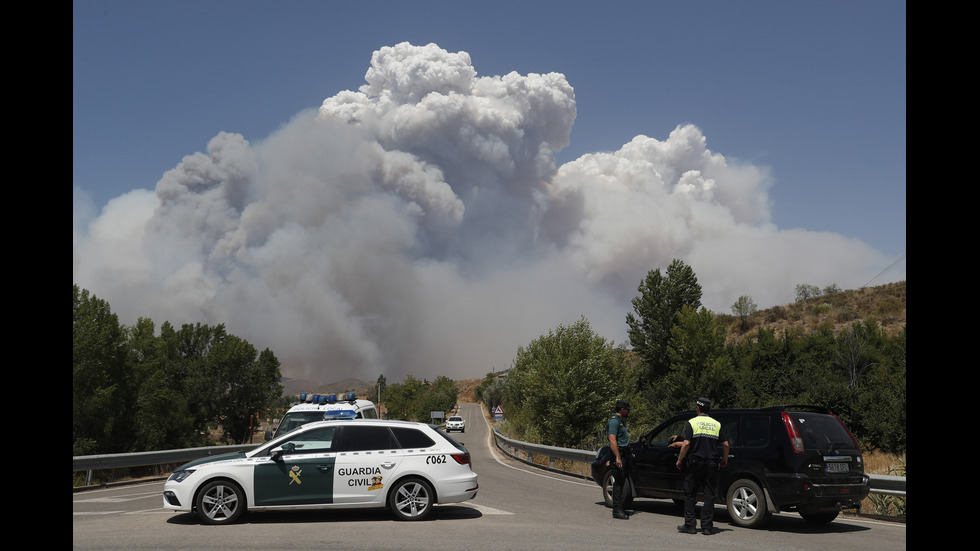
[771, 152]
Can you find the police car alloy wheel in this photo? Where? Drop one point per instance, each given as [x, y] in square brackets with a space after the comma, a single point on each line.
[411, 499]
[220, 502]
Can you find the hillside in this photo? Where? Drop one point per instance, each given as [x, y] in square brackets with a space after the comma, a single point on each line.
[885, 303]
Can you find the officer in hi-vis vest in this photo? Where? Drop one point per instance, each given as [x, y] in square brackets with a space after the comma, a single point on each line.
[708, 449]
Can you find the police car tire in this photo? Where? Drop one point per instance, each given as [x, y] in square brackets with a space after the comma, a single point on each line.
[747, 505]
[220, 502]
[411, 499]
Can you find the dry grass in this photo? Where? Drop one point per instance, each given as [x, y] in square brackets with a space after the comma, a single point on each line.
[885, 303]
[884, 505]
[883, 463]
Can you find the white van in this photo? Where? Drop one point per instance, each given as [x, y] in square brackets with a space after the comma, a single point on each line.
[318, 407]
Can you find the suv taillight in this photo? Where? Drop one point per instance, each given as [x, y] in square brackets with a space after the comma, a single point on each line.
[461, 458]
[794, 433]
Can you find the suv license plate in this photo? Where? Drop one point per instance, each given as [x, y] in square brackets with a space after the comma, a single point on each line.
[836, 467]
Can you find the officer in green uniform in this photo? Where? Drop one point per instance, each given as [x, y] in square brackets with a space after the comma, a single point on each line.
[708, 449]
[621, 462]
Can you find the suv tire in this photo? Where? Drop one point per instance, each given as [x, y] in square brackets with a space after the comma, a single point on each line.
[747, 505]
[607, 484]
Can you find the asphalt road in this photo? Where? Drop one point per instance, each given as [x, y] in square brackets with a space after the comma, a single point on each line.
[518, 507]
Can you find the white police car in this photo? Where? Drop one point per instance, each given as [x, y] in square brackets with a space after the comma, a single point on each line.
[405, 467]
[318, 407]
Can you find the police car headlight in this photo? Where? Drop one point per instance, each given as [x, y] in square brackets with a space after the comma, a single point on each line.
[179, 476]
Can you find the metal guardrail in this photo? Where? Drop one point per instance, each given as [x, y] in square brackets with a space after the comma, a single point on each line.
[141, 459]
[510, 447]
[888, 485]
[880, 484]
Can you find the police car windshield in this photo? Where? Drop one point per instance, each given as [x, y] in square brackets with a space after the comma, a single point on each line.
[295, 420]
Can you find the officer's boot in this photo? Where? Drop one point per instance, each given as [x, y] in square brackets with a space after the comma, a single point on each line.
[617, 495]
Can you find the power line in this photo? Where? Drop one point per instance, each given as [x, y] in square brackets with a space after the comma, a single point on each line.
[890, 266]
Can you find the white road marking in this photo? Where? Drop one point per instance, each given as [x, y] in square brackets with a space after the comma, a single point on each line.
[120, 499]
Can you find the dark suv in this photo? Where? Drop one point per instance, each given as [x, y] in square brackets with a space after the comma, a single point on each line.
[782, 458]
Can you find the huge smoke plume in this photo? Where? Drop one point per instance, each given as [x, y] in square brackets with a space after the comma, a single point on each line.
[421, 225]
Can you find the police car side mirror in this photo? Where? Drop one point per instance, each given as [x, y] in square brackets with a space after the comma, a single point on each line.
[276, 453]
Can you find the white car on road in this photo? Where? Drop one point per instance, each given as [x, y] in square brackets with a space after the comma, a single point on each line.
[455, 423]
[405, 467]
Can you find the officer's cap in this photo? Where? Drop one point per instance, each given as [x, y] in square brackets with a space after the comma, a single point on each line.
[620, 404]
[704, 404]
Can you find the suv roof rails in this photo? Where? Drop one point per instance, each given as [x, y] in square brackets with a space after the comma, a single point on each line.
[799, 407]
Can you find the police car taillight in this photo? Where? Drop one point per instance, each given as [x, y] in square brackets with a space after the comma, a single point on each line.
[794, 433]
[461, 458]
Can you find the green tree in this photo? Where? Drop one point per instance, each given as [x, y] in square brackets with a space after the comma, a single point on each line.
[402, 399]
[699, 364]
[661, 297]
[493, 393]
[440, 395]
[744, 307]
[805, 291]
[858, 348]
[563, 385]
[98, 374]
[831, 289]
[883, 399]
[134, 391]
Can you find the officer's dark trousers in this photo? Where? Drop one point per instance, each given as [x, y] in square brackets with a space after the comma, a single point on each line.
[619, 484]
[701, 476]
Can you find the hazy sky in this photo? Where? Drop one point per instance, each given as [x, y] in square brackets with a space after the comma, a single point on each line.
[421, 187]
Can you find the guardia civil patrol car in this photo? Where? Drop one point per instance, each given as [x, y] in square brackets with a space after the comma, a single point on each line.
[402, 466]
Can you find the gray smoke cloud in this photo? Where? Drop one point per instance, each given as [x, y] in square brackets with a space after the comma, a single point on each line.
[421, 225]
